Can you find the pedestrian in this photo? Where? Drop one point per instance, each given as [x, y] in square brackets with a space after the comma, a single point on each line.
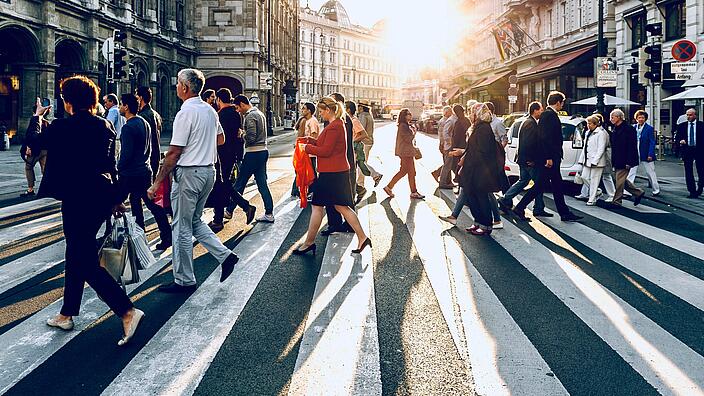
[449, 163]
[230, 154]
[335, 220]
[191, 158]
[690, 135]
[208, 96]
[81, 173]
[32, 153]
[406, 150]
[460, 129]
[479, 171]
[153, 118]
[530, 159]
[332, 188]
[113, 115]
[646, 151]
[501, 137]
[606, 175]
[367, 120]
[624, 155]
[307, 125]
[550, 129]
[254, 161]
[362, 140]
[593, 157]
[134, 169]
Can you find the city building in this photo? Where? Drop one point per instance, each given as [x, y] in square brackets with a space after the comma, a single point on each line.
[337, 55]
[427, 91]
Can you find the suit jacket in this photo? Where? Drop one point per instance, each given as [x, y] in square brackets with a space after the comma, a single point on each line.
[646, 144]
[551, 134]
[80, 162]
[154, 120]
[683, 134]
[530, 145]
[624, 146]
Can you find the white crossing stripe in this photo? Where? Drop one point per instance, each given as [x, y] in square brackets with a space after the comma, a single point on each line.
[178, 355]
[22, 231]
[339, 351]
[24, 207]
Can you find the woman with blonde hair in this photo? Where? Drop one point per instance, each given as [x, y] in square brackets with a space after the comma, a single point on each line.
[332, 188]
[406, 150]
[593, 156]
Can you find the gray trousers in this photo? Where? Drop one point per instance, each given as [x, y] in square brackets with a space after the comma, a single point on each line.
[189, 192]
[449, 165]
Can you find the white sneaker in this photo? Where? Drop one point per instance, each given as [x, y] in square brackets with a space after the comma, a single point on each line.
[580, 196]
[591, 203]
[267, 218]
[609, 199]
[498, 225]
[227, 214]
[61, 324]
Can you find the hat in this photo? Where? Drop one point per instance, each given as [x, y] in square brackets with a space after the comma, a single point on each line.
[363, 102]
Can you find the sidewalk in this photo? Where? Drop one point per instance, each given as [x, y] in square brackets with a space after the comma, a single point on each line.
[673, 188]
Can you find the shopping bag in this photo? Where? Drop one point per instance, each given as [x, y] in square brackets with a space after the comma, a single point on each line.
[138, 240]
[163, 193]
[117, 254]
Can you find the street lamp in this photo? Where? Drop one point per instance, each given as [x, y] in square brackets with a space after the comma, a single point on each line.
[322, 65]
[600, 52]
[354, 84]
[321, 38]
[269, 113]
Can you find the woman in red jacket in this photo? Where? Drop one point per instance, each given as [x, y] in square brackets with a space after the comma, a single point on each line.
[332, 188]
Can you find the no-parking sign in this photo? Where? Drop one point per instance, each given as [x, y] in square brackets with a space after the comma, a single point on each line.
[684, 50]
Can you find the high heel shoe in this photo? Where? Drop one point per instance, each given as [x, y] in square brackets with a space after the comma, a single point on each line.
[367, 242]
[300, 252]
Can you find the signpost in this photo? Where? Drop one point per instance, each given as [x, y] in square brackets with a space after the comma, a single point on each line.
[512, 92]
[684, 50]
[606, 72]
[266, 82]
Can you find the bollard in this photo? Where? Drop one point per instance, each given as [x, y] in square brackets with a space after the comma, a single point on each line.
[661, 145]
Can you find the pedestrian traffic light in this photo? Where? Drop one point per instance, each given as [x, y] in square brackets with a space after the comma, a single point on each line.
[654, 29]
[654, 63]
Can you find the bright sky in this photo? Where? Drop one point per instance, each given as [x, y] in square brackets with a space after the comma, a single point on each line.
[419, 31]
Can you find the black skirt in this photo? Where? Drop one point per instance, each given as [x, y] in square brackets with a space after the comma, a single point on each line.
[332, 188]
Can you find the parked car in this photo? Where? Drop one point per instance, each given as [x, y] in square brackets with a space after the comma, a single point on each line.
[415, 106]
[573, 131]
[429, 121]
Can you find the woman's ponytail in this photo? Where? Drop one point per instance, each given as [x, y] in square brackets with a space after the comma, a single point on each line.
[331, 104]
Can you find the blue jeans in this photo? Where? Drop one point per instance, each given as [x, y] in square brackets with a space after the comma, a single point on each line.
[494, 207]
[527, 174]
[253, 164]
[460, 203]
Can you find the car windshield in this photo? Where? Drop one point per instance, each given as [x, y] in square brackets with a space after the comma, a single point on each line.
[567, 130]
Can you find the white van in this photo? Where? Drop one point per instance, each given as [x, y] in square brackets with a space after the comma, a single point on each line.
[415, 106]
[573, 131]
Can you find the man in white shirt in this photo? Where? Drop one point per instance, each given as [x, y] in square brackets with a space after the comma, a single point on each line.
[192, 154]
[112, 105]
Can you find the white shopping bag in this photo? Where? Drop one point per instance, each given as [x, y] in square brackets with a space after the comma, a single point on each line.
[145, 257]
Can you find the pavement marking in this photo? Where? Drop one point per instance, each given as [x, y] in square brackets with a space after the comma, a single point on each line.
[661, 359]
[28, 229]
[675, 281]
[24, 207]
[667, 238]
[339, 351]
[178, 355]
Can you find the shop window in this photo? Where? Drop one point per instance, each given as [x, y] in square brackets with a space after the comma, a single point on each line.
[675, 20]
[637, 23]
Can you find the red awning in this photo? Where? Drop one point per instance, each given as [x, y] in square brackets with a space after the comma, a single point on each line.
[490, 80]
[556, 62]
[452, 92]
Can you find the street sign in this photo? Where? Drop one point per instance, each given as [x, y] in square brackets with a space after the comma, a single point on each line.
[108, 48]
[684, 67]
[513, 79]
[684, 50]
[606, 72]
[686, 76]
[266, 82]
[512, 99]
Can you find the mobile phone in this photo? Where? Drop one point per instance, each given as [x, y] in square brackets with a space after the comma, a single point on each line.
[46, 102]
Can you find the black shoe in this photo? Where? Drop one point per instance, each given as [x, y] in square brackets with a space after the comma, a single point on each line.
[636, 200]
[163, 245]
[228, 266]
[570, 217]
[28, 194]
[216, 227]
[521, 214]
[251, 211]
[175, 288]
[301, 252]
[506, 208]
[367, 242]
[543, 214]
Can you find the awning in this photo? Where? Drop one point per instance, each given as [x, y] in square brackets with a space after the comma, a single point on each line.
[490, 80]
[452, 92]
[556, 62]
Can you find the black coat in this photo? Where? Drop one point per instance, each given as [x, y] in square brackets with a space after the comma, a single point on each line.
[80, 162]
[551, 134]
[459, 133]
[480, 171]
[624, 146]
[154, 120]
[683, 134]
[530, 144]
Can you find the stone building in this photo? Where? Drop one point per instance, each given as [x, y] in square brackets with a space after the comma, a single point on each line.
[42, 42]
[337, 55]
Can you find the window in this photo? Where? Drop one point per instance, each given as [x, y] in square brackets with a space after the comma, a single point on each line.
[180, 17]
[161, 11]
[303, 35]
[548, 25]
[638, 22]
[563, 18]
[138, 7]
[675, 20]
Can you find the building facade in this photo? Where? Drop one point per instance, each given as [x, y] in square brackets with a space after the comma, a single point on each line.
[336, 55]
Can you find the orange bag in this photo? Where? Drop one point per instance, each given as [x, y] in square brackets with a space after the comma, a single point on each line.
[305, 175]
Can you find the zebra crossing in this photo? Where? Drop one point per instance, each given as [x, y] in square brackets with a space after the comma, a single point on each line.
[612, 305]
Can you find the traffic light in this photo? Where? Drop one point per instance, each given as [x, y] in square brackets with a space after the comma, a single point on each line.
[654, 63]
[639, 66]
[654, 29]
[119, 60]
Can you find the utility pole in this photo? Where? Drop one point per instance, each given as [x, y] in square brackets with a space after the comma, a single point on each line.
[313, 38]
[269, 113]
[600, 52]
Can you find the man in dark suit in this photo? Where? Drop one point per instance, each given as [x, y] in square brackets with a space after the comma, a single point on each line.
[144, 97]
[550, 129]
[530, 159]
[690, 135]
[624, 156]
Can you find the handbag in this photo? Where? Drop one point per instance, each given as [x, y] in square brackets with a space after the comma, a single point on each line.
[163, 194]
[578, 179]
[117, 254]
